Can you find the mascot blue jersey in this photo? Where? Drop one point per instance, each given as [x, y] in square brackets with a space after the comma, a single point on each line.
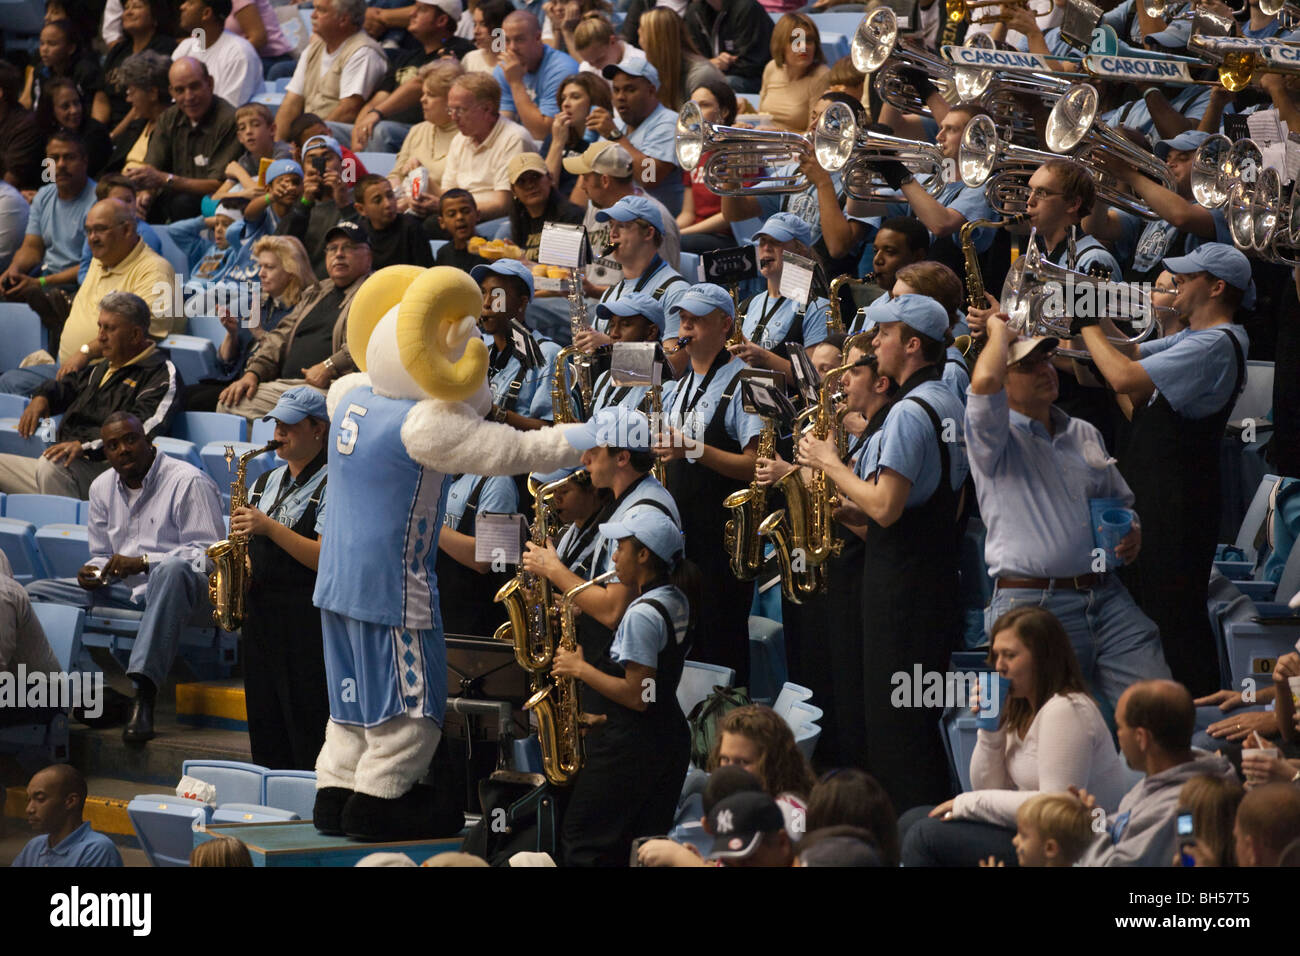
[380, 546]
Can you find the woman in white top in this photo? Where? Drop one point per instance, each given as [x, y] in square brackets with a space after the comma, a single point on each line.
[1050, 736]
[488, 16]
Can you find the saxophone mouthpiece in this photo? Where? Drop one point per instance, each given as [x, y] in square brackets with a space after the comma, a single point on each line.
[272, 445]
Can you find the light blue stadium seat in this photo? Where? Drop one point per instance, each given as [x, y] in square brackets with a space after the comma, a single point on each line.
[203, 427]
[213, 456]
[1249, 530]
[194, 356]
[12, 406]
[236, 781]
[958, 729]
[691, 267]
[18, 542]
[250, 813]
[293, 790]
[164, 824]
[65, 548]
[767, 663]
[83, 512]
[380, 164]
[789, 695]
[208, 327]
[845, 23]
[488, 230]
[836, 45]
[179, 449]
[526, 754]
[262, 432]
[270, 98]
[21, 334]
[11, 443]
[1253, 648]
[435, 246]
[42, 509]
[48, 740]
[698, 681]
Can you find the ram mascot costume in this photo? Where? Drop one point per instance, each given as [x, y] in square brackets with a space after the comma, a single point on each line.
[412, 416]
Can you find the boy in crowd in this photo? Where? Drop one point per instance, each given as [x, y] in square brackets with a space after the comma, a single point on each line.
[255, 128]
[458, 216]
[394, 237]
[283, 190]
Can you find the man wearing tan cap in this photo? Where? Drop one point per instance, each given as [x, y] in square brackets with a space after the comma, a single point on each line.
[604, 172]
[481, 151]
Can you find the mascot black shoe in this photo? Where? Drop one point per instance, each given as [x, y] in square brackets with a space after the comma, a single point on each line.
[408, 817]
[327, 815]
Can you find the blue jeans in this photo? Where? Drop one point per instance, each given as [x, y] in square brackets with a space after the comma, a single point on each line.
[930, 841]
[175, 597]
[1116, 644]
[387, 136]
[25, 381]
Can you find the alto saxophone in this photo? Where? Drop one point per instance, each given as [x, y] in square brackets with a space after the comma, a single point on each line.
[228, 580]
[562, 389]
[748, 508]
[556, 704]
[975, 279]
[578, 323]
[835, 316]
[527, 597]
[658, 469]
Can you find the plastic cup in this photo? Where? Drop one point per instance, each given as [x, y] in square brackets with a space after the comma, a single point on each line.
[1114, 524]
[1258, 751]
[994, 690]
[1294, 683]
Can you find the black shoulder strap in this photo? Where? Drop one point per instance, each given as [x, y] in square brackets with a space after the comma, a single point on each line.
[1241, 367]
[471, 503]
[650, 502]
[259, 486]
[944, 462]
[668, 618]
[659, 292]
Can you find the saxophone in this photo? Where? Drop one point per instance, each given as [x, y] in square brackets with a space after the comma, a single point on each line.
[556, 704]
[835, 318]
[562, 389]
[748, 508]
[970, 348]
[803, 533]
[228, 580]
[658, 469]
[527, 597]
[578, 323]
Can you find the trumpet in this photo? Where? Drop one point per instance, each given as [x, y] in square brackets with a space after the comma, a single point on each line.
[841, 146]
[740, 160]
[966, 10]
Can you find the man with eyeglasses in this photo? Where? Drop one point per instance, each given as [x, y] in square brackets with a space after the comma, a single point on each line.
[309, 346]
[480, 152]
[1035, 468]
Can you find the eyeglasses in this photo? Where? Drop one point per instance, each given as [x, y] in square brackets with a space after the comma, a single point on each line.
[1037, 193]
[454, 111]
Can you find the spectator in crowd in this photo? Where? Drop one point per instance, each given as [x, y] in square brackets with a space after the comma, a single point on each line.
[1268, 821]
[395, 237]
[736, 36]
[327, 198]
[844, 77]
[213, 247]
[899, 242]
[63, 52]
[386, 119]
[1052, 829]
[1050, 736]
[852, 797]
[131, 375]
[265, 212]
[14, 212]
[529, 74]
[20, 145]
[256, 21]
[669, 49]
[194, 142]
[489, 15]
[569, 135]
[56, 800]
[147, 25]
[839, 846]
[458, 217]
[144, 76]
[151, 518]
[482, 149]
[757, 739]
[646, 129]
[22, 642]
[1154, 720]
[521, 360]
[309, 346]
[428, 143]
[340, 69]
[284, 273]
[563, 17]
[233, 64]
[221, 850]
[1212, 802]
[703, 226]
[61, 108]
[597, 46]
[796, 76]
[748, 830]
[534, 202]
[255, 128]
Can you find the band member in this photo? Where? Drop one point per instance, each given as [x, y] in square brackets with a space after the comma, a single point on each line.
[911, 499]
[709, 446]
[284, 667]
[900, 241]
[1182, 389]
[473, 582]
[522, 362]
[771, 321]
[634, 317]
[636, 233]
[581, 507]
[940, 283]
[636, 758]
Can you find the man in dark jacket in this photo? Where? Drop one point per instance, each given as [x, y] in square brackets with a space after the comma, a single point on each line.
[132, 376]
[735, 36]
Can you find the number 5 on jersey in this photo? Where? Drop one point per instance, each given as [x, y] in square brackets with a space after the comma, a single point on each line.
[348, 429]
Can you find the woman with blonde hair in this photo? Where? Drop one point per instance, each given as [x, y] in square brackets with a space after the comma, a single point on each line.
[428, 143]
[221, 851]
[662, 35]
[562, 19]
[796, 76]
[1212, 802]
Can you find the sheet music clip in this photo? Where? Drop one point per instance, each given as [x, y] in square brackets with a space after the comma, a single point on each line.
[564, 245]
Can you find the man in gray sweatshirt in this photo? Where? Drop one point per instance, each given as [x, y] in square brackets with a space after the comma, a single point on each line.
[1154, 720]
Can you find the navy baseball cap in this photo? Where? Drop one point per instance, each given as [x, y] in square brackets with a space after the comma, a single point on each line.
[740, 821]
[704, 298]
[1185, 142]
[329, 142]
[784, 226]
[634, 303]
[349, 230]
[1221, 261]
[299, 403]
[918, 312]
[614, 427]
[652, 528]
[633, 207]
[279, 168]
[633, 65]
[504, 267]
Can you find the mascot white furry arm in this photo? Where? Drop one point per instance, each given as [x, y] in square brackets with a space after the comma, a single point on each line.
[398, 428]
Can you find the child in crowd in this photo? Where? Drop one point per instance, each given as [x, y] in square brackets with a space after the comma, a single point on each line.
[283, 190]
[212, 259]
[1052, 829]
[255, 128]
[458, 216]
[308, 126]
[394, 237]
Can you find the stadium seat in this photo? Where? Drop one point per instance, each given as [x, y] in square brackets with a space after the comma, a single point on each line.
[48, 740]
[164, 825]
[790, 694]
[11, 443]
[836, 45]
[194, 356]
[65, 548]
[767, 661]
[959, 730]
[1256, 399]
[526, 754]
[251, 813]
[435, 246]
[236, 782]
[12, 406]
[213, 456]
[179, 449]
[261, 432]
[1256, 512]
[18, 542]
[698, 681]
[691, 267]
[42, 509]
[293, 790]
[203, 427]
[208, 327]
[1253, 647]
[83, 512]
[844, 23]
[379, 164]
[21, 334]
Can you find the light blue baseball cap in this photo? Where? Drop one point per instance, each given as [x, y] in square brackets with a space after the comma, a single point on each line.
[329, 142]
[1184, 142]
[633, 65]
[279, 168]
[617, 426]
[784, 226]
[504, 267]
[633, 207]
[297, 404]
[634, 303]
[704, 298]
[651, 527]
[918, 312]
[1221, 261]
[554, 475]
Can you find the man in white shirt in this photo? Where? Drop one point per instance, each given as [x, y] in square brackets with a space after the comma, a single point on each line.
[337, 73]
[235, 66]
[482, 149]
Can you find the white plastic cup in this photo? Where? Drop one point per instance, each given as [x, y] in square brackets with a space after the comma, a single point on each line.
[1261, 752]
